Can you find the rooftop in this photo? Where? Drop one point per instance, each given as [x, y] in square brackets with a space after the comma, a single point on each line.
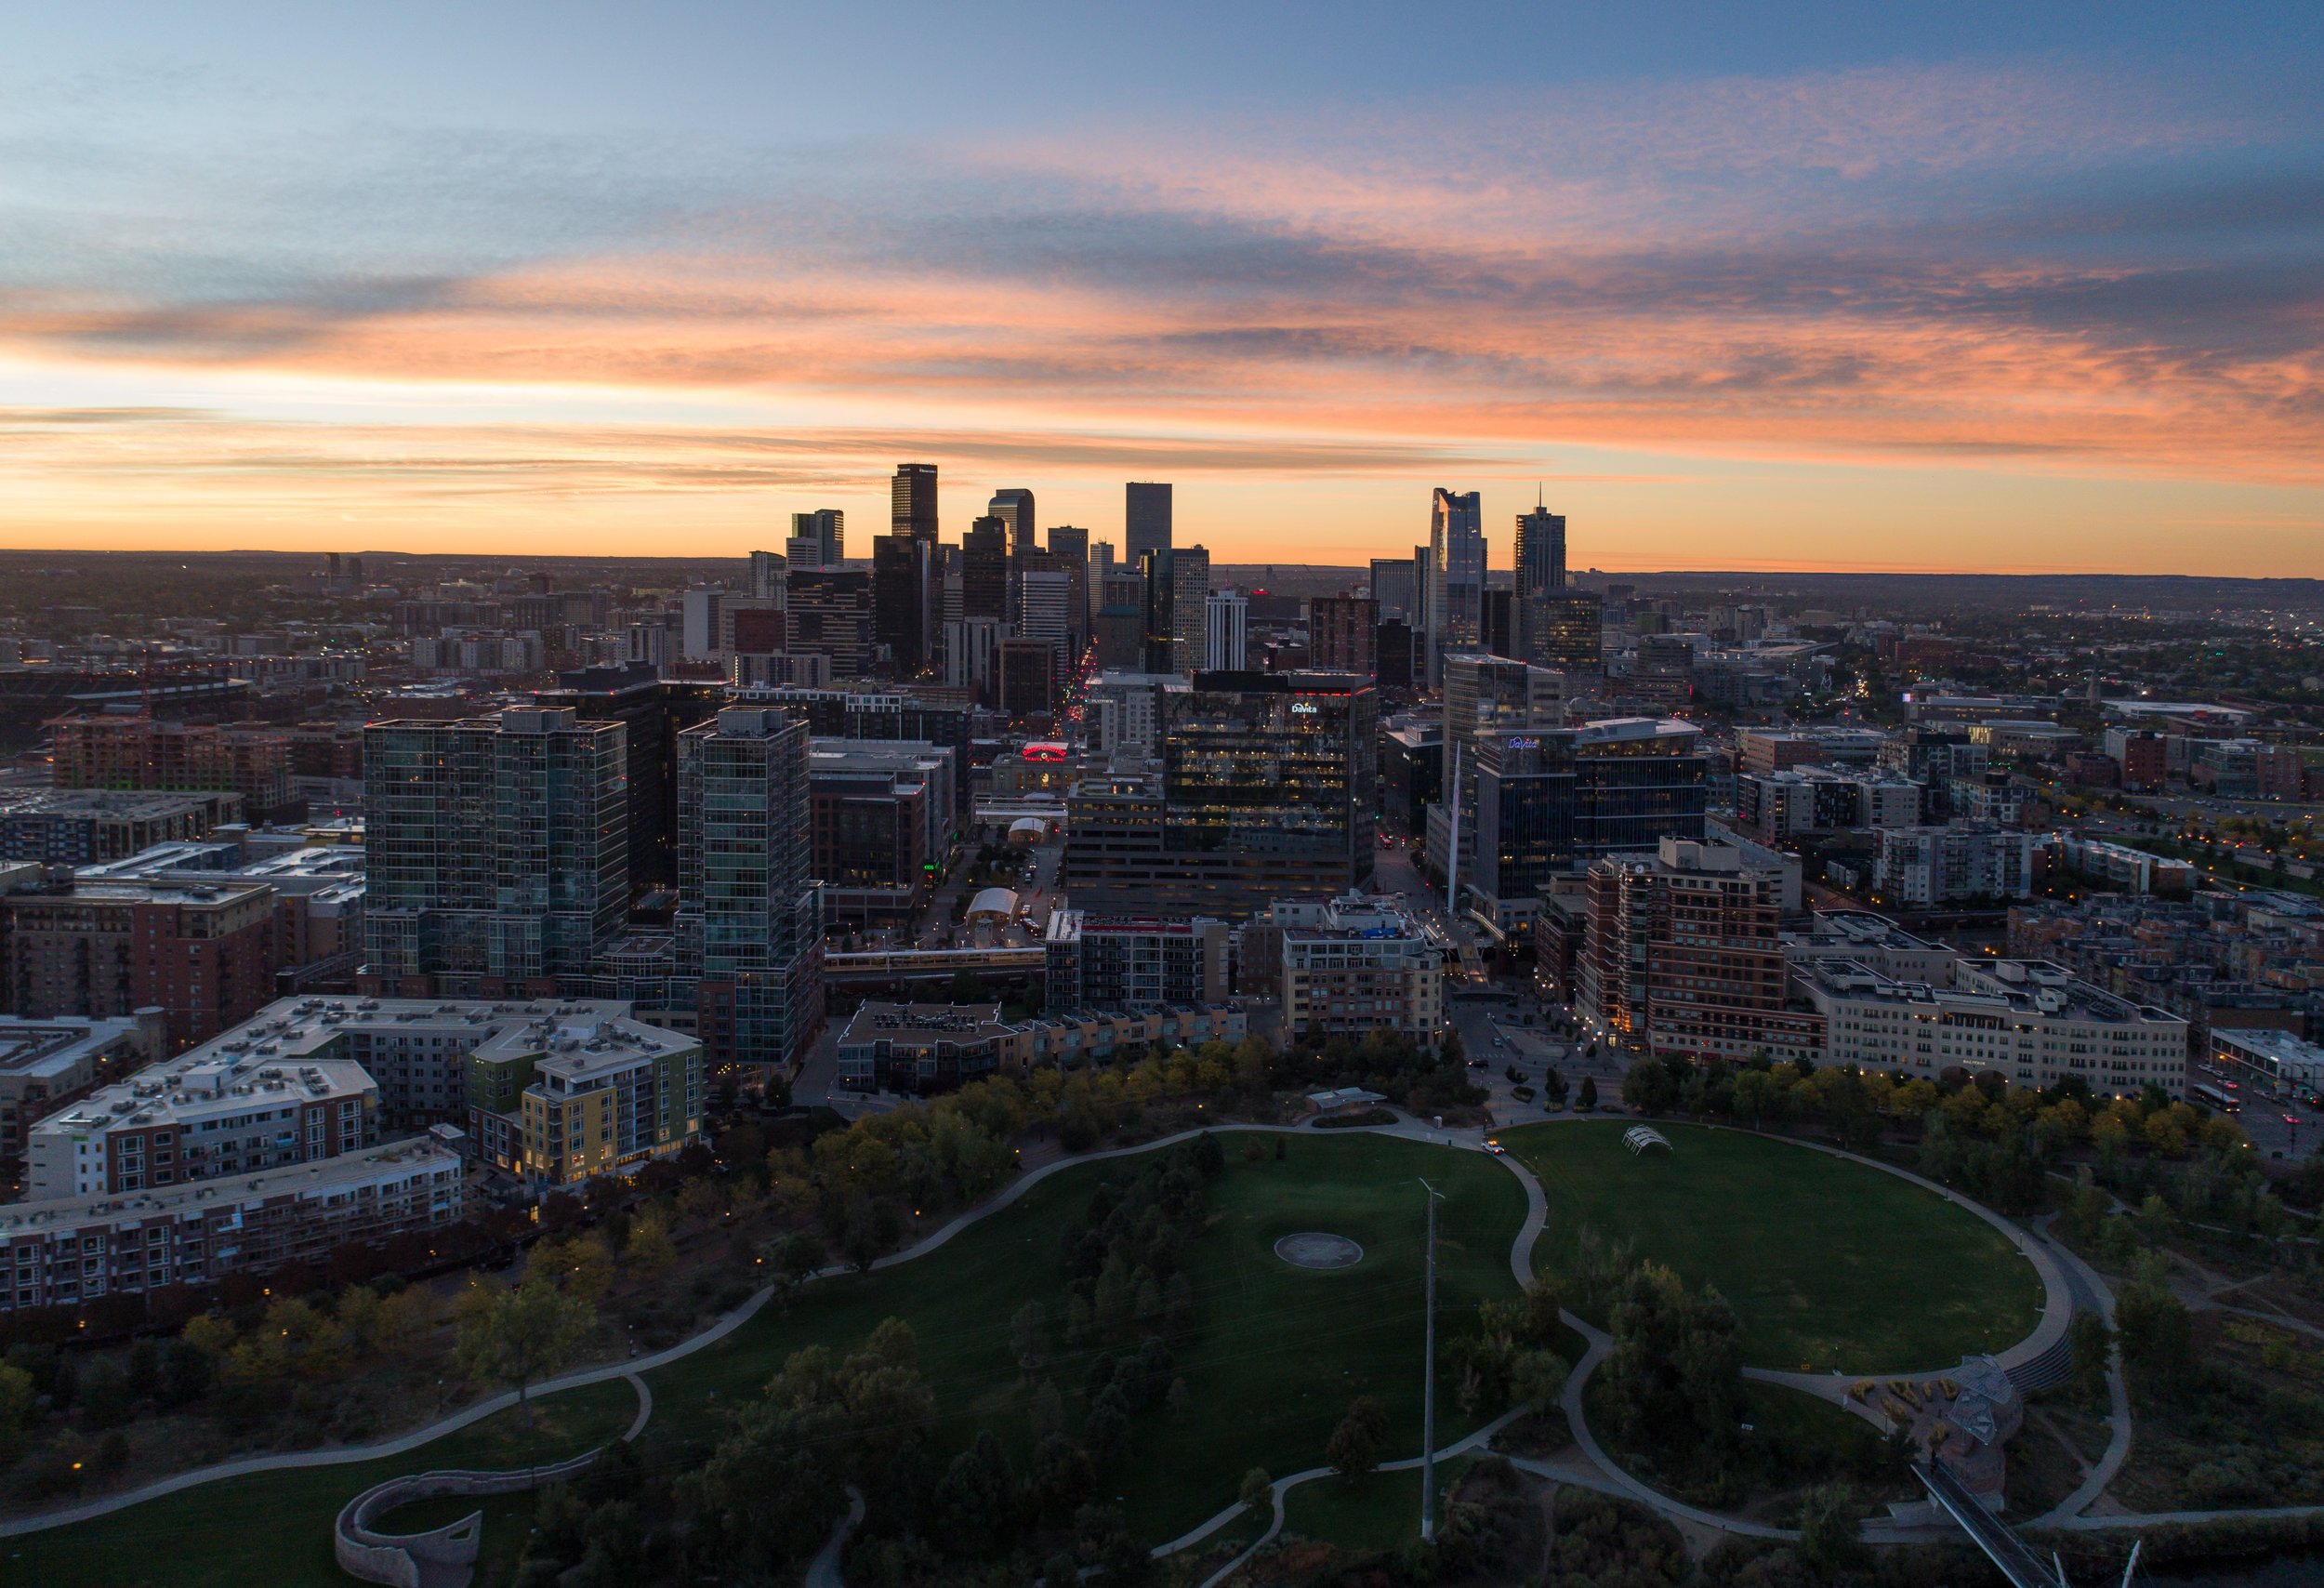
[52, 1047]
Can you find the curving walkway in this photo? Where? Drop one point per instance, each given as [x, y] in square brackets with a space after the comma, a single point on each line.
[2094, 1291]
[823, 1570]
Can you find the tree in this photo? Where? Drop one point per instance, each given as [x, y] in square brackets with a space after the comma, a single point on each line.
[1830, 1519]
[976, 1498]
[17, 1395]
[651, 1249]
[1537, 1379]
[104, 1394]
[514, 1337]
[1360, 1440]
[582, 1265]
[2091, 1343]
[2158, 1335]
[211, 1334]
[185, 1374]
[796, 1258]
[1650, 1087]
[1587, 1099]
[1257, 1489]
[1754, 1096]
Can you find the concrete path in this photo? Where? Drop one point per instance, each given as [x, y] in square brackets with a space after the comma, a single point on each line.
[2095, 1293]
[823, 1570]
[645, 1405]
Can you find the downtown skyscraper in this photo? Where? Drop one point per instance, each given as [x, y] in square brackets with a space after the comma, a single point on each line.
[1456, 585]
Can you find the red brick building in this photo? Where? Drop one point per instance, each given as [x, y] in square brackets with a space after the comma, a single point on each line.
[203, 955]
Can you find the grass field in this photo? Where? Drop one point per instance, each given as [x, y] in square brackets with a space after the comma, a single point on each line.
[1377, 1510]
[1280, 1351]
[1828, 1264]
[275, 1528]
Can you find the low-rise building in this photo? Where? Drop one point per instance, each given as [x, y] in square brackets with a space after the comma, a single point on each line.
[2034, 1021]
[1358, 964]
[276, 1092]
[935, 1047]
[605, 1096]
[2271, 1066]
[72, 1250]
[46, 1064]
[1103, 962]
[81, 826]
[1960, 860]
[2126, 867]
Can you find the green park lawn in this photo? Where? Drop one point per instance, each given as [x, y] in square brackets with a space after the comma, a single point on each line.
[1828, 1264]
[1279, 1351]
[275, 1528]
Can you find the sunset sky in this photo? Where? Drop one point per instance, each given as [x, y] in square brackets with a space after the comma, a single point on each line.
[1980, 286]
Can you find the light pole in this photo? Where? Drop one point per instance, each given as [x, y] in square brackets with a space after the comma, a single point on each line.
[1428, 1383]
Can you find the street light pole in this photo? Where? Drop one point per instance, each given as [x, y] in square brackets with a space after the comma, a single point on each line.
[1428, 1383]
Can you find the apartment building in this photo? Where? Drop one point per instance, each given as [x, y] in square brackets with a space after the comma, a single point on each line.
[1960, 860]
[84, 826]
[1103, 962]
[937, 1047]
[276, 1092]
[497, 851]
[46, 1064]
[1680, 955]
[605, 1095]
[2033, 1022]
[205, 954]
[1358, 963]
[140, 752]
[57, 1251]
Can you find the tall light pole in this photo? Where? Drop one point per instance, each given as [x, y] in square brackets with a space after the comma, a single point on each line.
[1427, 1382]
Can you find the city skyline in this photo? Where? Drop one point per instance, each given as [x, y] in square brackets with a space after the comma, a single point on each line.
[1781, 289]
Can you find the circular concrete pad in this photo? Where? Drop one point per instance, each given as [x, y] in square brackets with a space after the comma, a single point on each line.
[1312, 1249]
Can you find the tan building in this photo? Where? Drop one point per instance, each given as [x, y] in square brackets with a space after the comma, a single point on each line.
[1358, 964]
[70, 1251]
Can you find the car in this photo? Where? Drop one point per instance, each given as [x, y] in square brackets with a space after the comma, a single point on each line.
[1495, 1148]
[1499, 1043]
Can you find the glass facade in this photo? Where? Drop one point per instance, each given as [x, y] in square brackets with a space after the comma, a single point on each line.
[748, 917]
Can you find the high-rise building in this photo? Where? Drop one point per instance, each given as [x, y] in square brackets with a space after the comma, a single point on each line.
[769, 577]
[496, 851]
[912, 502]
[1549, 802]
[1070, 545]
[1341, 634]
[203, 954]
[1565, 630]
[1497, 623]
[1028, 677]
[747, 916]
[1456, 549]
[902, 588]
[1265, 793]
[1102, 568]
[1540, 552]
[1045, 611]
[973, 657]
[1014, 508]
[984, 569]
[1146, 521]
[831, 616]
[1190, 597]
[827, 528]
[1118, 631]
[656, 710]
[1392, 655]
[1393, 588]
[700, 606]
[1226, 615]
